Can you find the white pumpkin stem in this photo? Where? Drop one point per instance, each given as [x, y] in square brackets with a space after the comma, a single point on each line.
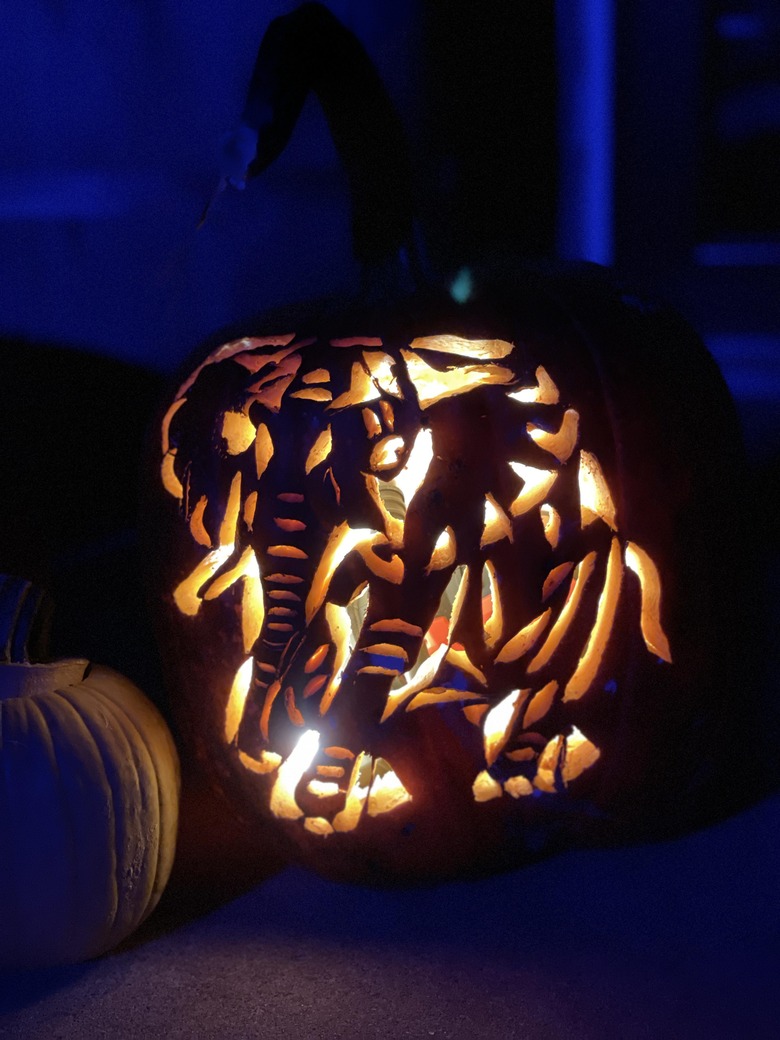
[25, 620]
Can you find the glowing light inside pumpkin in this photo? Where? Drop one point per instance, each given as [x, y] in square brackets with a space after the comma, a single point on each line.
[540, 704]
[566, 756]
[595, 498]
[499, 721]
[545, 392]
[291, 772]
[588, 666]
[238, 431]
[319, 450]
[537, 484]
[551, 521]
[561, 443]
[497, 524]
[433, 385]
[264, 449]
[197, 527]
[582, 573]
[525, 639]
[448, 677]
[481, 349]
[387, 792]
[650, 585]
[485, 788]
[237, 699]
[357, 793]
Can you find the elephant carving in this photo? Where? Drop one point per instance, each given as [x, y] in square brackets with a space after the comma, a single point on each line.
[404, 527]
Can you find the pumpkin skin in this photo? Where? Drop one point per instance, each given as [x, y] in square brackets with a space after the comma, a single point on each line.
[546, 727]
[88, 811]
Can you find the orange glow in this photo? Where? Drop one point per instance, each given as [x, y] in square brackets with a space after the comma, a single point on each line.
[540, 704]
[270, 389]
[554, 579]
[197, 528]
[650, 586]
[314, 686]
[525, 639]
[245, 564]
[582, 573]
[314, 393]
[595, 498]
[286, 523]
[238, 431]
[380, 365]
[518, 786]
[319, 450]
[339, 752]
[462, 660]
[546, 392]
[252, 605]
[371, 422]
[237, 699]
[340, 629]
[396, 625]
[499, 721]
[270, 696]
[387, 650]
[171, 482]
[250, 505]
[386, 453]
[318, 825]
[357, 341]
[264, 449]
[444, 552]
[413, 473]
[494, 626]
[561, 443]
[316, 659]
[186, 595]
[497, 524]
[343, 539]
[588, 666]
[289, 552]
[387, 792]
[442, 695]
[572, 755]
[357, 793]
[322, 788]
[432, 385]
[485, 788]
[479, 349]
[292, 710]
[387, 414]
[283, 804]
[267, 763]
[537, 483]
[317, 375]
[419, 678]
[551, 521]
[362, 389]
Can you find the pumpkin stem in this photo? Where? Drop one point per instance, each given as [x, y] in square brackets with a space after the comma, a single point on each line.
[25, 621]
[310, 50]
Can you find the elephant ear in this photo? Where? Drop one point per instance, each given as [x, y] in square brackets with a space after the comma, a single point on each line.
[207, 435]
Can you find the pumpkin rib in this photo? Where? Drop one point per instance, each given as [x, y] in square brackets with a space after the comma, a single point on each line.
[31, 706]
[115, 749]
[68, 716]
[150, 798]
[149, 722]
[148, 786]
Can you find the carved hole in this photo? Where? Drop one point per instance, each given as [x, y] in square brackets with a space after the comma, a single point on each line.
[238, 431]
[588, 665]
[650, 587]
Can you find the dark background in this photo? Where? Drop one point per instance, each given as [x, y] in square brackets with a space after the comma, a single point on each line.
[582, 128]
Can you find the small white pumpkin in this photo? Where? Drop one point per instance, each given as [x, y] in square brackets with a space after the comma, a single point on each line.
[89, 795]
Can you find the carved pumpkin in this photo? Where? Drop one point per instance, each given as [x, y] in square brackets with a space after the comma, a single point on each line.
[89, 809]
[443, 589]
[444, 586]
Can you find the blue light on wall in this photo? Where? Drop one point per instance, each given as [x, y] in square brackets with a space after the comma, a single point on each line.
[586, 34]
